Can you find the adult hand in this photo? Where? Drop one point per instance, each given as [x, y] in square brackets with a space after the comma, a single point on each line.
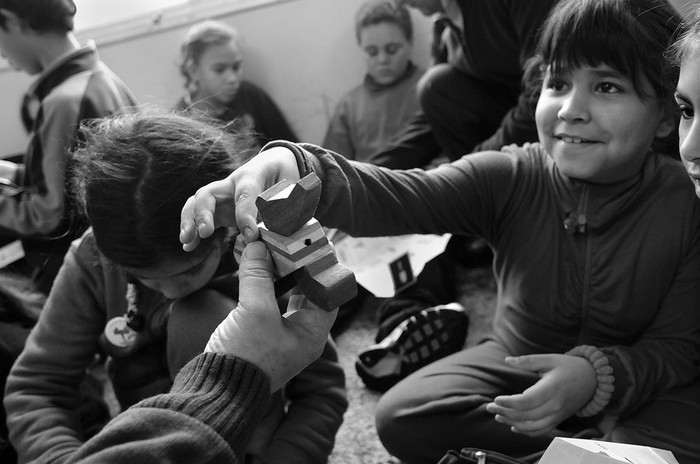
[282, 346]
[567, 383]
[230, 202]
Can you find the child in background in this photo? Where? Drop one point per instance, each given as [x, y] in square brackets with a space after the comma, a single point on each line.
[129, 290]
[212, 63]
[596, 239]
[368, 116]
[472, 97]
[72, 84]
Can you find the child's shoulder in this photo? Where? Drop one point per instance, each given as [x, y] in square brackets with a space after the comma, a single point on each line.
[529, 153]
[85, 250]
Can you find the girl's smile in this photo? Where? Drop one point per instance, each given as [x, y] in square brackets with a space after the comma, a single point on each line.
[594, 124]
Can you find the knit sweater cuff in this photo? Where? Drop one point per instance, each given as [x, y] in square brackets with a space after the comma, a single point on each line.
[227, 393]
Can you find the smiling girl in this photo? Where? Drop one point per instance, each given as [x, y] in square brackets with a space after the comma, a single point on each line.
[596, 240]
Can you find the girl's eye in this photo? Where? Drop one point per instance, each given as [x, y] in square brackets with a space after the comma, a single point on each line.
[686, 112]
[556, 84]
[608, 87]
[371, 51]
[392, 49]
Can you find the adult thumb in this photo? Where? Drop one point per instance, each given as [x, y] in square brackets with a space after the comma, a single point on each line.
[256, 282]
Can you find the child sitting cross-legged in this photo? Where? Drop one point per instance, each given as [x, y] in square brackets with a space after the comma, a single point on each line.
[597, 244]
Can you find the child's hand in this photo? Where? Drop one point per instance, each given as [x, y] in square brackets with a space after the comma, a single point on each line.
[230, 202]
[567, 384]
[282, 346]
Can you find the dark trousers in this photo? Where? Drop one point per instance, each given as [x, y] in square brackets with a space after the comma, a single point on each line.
[443, 406]
[462, 111]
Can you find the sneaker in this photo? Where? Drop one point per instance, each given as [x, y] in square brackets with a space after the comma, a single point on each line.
[424, 337]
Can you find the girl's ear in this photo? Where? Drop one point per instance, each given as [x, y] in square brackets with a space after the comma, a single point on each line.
[668, 123]
[190, 67]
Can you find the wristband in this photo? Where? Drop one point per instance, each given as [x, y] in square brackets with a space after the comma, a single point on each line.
[604, 375]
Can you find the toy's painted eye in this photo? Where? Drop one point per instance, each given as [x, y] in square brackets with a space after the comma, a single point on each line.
[307, 242]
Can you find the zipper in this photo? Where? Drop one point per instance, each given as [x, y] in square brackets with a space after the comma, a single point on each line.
[583, 205]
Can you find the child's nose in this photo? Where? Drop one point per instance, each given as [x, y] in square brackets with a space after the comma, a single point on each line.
[574, 106]
[690, 144]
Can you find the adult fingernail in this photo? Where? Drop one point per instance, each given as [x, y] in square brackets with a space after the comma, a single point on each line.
[255, 250]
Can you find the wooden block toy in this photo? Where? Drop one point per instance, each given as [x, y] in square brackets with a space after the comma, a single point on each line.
[300, 250]
[285, 206]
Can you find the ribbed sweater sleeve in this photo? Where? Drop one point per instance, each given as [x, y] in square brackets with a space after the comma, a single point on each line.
[228, 394]
[213, 407]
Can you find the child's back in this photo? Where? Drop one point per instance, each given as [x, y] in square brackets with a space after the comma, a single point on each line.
[73, 85]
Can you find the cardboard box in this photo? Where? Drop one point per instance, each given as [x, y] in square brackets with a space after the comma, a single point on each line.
[580, 451]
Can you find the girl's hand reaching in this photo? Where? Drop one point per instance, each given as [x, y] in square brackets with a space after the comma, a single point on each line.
[230, 202]
[567, 383]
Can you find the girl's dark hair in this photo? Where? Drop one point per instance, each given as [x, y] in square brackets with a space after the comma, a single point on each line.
[631, 36]
[383, 11]
[199, 38]
[134, 172]
[42, 15]
[688, 40]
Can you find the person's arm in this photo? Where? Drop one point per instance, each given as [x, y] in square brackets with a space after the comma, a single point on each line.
[668, 353]
[665, 355]
[39, 210]
[518, 125]
[213, 407]
[43, 388]
[217, 399]
[317, 401]
[358, 198]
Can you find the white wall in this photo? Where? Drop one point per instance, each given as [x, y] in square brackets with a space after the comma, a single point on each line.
[303, 52]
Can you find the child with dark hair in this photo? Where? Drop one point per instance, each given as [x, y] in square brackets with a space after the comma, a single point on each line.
[73, 84]
[36, 215]
[127, 289]
[596, 239]
[211, 61]
[368, 116]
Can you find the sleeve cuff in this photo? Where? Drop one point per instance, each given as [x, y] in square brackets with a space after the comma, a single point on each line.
[226, 393]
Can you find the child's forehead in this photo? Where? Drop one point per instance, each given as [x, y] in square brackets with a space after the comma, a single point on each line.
[599, 69]
[384, 28]
[223, 51]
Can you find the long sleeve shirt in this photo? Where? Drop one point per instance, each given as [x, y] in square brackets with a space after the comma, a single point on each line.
[627, 282]
[208, 416]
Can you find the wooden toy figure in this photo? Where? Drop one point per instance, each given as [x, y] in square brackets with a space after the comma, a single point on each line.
[298, 245]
